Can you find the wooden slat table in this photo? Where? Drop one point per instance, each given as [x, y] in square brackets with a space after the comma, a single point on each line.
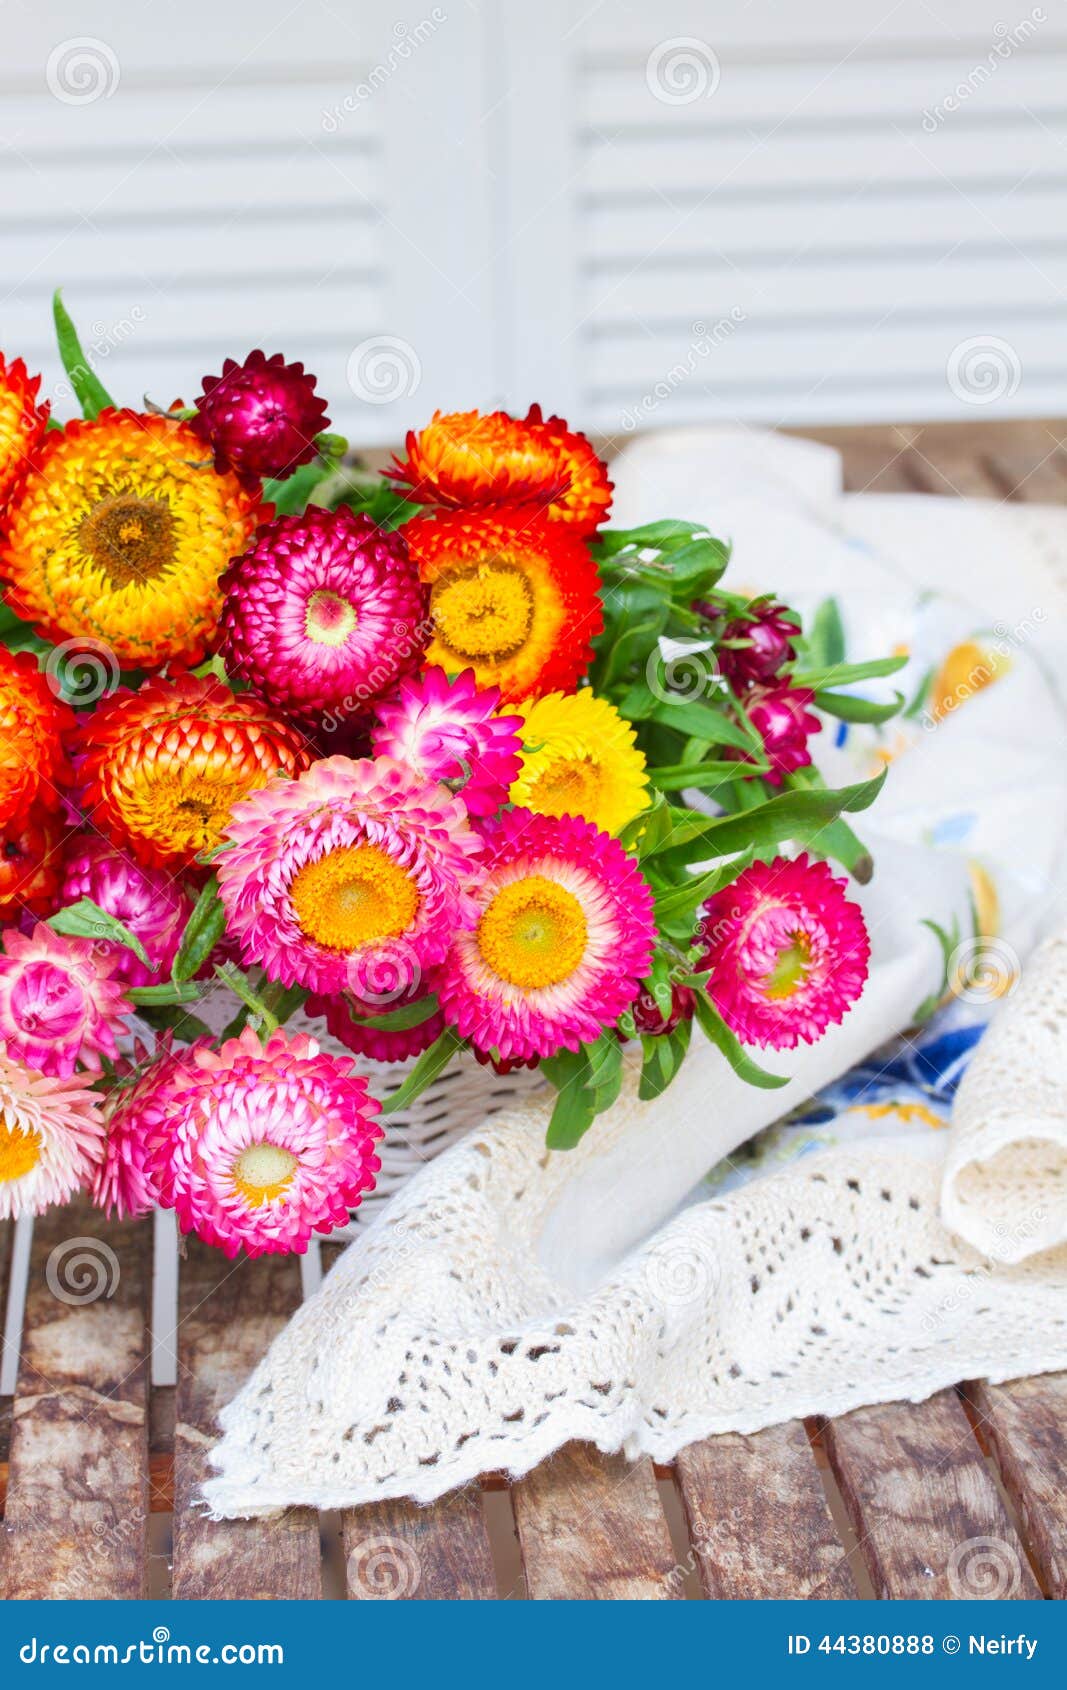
[963, 1495]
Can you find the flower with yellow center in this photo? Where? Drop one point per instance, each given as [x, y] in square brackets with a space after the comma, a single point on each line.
[164, 766]
[119, 535]
[51, 1138]
[580, 758]
[513, 597]
[353, 877]
[563, 939]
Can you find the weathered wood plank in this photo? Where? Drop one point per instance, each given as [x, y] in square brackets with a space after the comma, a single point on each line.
[76, 1516]
[758, 1518]
[228, 1312]
[923, 1503]
[1039, 478]
[591, 1527]
[1025, 1424]
[440, 1553]
[398, 1551]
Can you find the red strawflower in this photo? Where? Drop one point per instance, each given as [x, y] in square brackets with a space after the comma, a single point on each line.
[261, 417]
[768, 632]
[22, 423]
[781, 717]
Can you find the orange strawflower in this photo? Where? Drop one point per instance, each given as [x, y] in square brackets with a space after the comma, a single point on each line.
[33, 763]
[31, 863]
[164, 765]
[586, 497]
[513, 596]
[120, 533]
[22, 423]
[466, 459]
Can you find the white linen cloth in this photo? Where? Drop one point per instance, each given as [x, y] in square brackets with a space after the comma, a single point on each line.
[667, 1279]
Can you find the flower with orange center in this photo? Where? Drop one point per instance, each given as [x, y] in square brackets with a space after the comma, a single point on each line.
[513, 596]
[585, 499]
[465, 459]
[22, 423]
[33, 762]
[164, 765]
[120, 534]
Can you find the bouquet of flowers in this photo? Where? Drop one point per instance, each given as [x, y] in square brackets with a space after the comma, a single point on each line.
[433, 754]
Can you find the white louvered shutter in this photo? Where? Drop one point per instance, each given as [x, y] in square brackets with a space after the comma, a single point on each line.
[800, 228]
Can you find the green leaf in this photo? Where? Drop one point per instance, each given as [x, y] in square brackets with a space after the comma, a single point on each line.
[799, 816]
[848, 708]
[398, 1020]
[572, 1115]
[88, 389]
[431, 1063]
[825, 642]
[713, 1025]
[652, 535]
[241, 987]
[675, 777]
[664, 1055]
[170, 993]
[843, 674]
[692, 892]
[86, 920]
[203, 930]
[688, 716]
[290, 497]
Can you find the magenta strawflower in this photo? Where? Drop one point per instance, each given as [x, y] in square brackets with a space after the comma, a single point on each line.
[352, 1022]
[51, 1137]
[787, 951]
[446, 730]
[58, 1001]
[563, 938]
[261, 417]
[323, 614]
[132, 1175]
[352, 877]
[147, 901]
[267, 1143]
[783, 720]
[768, 633]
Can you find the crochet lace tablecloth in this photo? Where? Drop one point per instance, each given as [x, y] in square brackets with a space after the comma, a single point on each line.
[666, 1280]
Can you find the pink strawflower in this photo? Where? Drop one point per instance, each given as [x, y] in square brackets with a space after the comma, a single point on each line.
[781, 717]
[344, 1014]
[146, 900]
[260, 417]
[353, 876]
[268, 1143]
[446, 730]
[564, 936]
[51, 1136]
[768, 632]
[135, 1168]
[58, 1002]
[787, 951]
[323, 614]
